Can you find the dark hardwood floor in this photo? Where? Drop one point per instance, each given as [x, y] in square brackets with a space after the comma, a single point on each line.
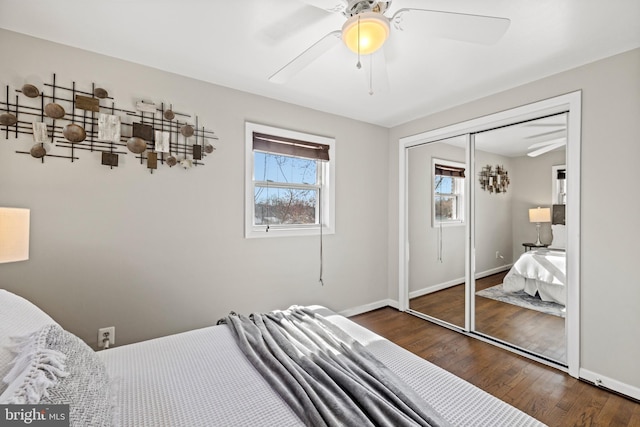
[545, 393]
[537, 332]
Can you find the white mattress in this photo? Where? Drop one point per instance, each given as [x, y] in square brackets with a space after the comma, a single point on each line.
[201, 378]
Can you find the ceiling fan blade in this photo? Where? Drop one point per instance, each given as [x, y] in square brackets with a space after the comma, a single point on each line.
[542, 144]
[547, 138]
[452, 25]
[328, 5]
[549, 135]
[289, 25]
[374, 68]
[546, 149]
[305, 58]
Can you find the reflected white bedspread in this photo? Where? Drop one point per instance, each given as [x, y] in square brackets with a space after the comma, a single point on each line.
[541, 271]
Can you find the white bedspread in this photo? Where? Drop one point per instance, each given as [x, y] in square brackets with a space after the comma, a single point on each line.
[201, 378]
[541, 271]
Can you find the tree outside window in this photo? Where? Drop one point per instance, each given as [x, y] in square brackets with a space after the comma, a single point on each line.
[286, 189]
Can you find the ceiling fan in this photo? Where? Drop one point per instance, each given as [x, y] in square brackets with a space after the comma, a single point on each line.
[367, 28]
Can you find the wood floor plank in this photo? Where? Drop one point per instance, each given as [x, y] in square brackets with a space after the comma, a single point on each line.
[587, 409]
[635, 417]
[541, 395]
[548, 394]
[615, 411]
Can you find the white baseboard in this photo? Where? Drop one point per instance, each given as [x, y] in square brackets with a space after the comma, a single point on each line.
[436, 287]
[369, 307]
[394, 304]
[494, 270]
[610, 383]
[457, 281]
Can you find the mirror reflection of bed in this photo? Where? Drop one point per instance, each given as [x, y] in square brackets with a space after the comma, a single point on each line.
[523, 303]
[531, 295]
[541, 272]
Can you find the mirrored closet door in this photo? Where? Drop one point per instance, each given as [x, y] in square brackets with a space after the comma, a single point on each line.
[520, 265]
[436, 219]
[489, 228]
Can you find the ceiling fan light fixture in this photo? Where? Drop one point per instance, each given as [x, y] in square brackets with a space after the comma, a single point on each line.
[372, 29]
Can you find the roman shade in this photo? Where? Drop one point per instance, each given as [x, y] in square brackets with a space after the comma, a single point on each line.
[290, 147]
[454, 171]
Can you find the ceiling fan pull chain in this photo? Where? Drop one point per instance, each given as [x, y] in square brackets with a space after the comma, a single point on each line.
[370, 74]
[358, 65]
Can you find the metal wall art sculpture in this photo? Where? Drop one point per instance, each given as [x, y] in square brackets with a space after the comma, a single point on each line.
[63, 120]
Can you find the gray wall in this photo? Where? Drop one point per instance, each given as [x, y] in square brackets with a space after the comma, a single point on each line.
[610, 291]
[154, 254]
[493, 222]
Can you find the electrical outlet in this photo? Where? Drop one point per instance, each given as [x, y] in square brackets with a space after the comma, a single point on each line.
[104, 333]
[497, 254]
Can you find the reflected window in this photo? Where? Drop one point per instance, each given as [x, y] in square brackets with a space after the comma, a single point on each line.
[561, 187]
[448, 192]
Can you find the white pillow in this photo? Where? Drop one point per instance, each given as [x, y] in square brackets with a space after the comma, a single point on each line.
[559, 234]
[17, 317]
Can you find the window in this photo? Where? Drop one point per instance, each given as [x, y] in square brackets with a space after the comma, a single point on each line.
[448, 192]
[289, 185]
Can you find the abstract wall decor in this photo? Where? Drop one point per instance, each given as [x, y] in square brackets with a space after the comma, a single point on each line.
[494, 180]
[64, 119]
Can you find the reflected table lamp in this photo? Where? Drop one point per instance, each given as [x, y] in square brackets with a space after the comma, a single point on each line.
[14, 234]
[539, 215]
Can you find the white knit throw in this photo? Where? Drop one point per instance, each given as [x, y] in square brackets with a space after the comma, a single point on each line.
[42, 366]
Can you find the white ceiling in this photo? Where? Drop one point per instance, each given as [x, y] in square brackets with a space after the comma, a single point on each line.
[240, 43]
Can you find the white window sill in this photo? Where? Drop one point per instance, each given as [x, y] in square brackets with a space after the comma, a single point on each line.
[448, 224]
[277, 231]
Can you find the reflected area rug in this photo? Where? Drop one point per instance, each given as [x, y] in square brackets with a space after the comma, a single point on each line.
[522, 299]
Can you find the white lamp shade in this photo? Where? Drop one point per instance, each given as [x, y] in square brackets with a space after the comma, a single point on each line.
[365, 32]
[540, 215]
[14, 234]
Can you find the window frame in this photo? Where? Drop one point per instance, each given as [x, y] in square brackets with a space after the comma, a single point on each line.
[325, 171]
[460, 194]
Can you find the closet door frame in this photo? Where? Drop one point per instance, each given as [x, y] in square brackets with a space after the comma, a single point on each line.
[570, 103]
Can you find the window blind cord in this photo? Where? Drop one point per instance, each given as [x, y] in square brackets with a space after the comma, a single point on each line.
[440, 244]
[321, 236]
[264, 178]
[268, 208]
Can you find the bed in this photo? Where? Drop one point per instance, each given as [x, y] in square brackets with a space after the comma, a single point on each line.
[542, 271]
[203, 377]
